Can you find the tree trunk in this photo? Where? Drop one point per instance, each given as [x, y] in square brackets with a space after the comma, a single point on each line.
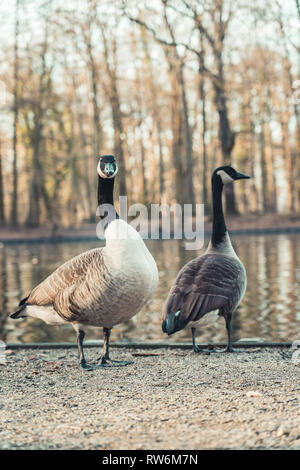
[36, 188]
[227, 140]
[271, 172]
[189, 167]
[263, 168]
[177, 152]
[144, 189]
[177, 127]
[289, 164]
[155, 111]
[14, 203]
[118, 138]
[186, 167]
[139, 100]
[98, 133]
[204, 127]
[161, 159]
[226, 136]
[85, 154]
[33, 219]
[2, 212]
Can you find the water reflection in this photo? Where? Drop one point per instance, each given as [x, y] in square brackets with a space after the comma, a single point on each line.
[270, 309]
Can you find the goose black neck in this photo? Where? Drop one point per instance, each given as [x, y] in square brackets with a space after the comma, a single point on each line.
[106, 192]
[219, 226]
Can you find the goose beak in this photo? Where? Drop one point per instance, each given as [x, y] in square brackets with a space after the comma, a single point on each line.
[241, 176]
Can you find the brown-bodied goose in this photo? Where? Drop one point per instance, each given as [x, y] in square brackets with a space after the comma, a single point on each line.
[213, 284]
[101, 287]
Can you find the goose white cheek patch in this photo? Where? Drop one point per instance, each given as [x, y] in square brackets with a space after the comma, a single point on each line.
[103, 175]
[225, 177]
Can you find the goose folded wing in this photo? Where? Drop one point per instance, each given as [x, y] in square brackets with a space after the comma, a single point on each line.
[85, 298]
[63, 279]
[205, 284]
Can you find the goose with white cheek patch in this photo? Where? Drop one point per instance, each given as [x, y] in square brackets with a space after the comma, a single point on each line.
[213, 284]
[101, 287]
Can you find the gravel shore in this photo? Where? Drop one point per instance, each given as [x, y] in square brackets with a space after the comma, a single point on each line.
[167, 399]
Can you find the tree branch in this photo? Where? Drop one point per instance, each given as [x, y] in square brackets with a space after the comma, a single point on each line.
[170, 43]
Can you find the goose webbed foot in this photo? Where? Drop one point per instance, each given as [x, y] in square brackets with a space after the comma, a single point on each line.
[107, 362]
[84, 366]
[199, 350]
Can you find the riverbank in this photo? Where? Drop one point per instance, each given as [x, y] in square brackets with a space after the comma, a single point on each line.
[167, 399]
[244, 224]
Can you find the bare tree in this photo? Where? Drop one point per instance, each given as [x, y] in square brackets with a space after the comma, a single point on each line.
[35, 131]
[202, 95]
[172, 98]
[194, 11]
[87, 31]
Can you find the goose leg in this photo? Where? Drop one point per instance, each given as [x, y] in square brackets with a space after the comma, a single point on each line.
[196, 348]
[80, 337]
[228, 328]
[105, 360]
[82, 362]
[229, 343]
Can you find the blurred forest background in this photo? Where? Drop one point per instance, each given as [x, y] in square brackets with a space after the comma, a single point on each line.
[173, 88]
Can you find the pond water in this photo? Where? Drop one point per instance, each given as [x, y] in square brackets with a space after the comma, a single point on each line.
[270, 309]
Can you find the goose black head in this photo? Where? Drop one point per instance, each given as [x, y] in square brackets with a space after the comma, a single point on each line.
[107, 166]
[227, 174]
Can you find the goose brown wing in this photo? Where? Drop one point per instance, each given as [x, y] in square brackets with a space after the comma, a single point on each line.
[88, 298]
[207, 283]
[60, 287]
